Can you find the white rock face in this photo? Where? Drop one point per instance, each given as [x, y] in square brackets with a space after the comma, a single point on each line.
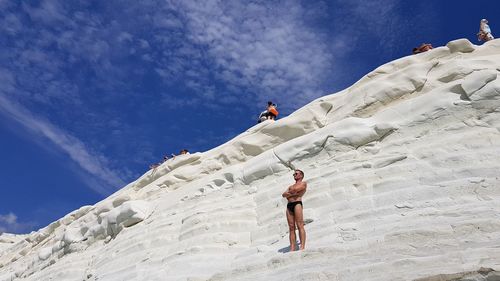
[460, 45]
[403, 172]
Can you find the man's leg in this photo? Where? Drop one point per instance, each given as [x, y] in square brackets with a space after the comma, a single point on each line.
[291, 229]
[299, 220]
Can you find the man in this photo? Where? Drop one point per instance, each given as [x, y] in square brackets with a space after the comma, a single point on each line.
[294, 213]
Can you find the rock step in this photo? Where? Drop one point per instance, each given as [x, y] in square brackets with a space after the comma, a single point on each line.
[220, 227]
[369, 267]
[66, 270]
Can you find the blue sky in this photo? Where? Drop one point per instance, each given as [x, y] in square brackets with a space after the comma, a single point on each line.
[92, 92]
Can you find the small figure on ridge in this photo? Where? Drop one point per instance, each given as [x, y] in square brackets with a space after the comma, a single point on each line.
[270, 113]
[182, 152]
[423, 48]
[484, 33]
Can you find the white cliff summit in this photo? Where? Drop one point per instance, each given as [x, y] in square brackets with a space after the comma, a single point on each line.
[403, 172]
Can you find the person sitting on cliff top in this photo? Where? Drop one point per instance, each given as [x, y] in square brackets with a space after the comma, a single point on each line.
[484, 33]
[423, 48]
[182, 152]
[272, 111]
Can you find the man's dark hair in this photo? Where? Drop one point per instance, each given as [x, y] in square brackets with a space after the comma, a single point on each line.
[302, 173]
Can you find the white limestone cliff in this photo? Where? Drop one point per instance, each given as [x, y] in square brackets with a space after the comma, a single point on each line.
[404, 183]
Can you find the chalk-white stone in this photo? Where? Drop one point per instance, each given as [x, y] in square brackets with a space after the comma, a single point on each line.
[402, 171]
[460, 45]
[120, 200]
[477, 80]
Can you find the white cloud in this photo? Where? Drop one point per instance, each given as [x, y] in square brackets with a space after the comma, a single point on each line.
[11, 23]
[10, 218]
[93, 164]
[7, 80]
[262, 47]
[48, 12]
[5, 4]
[9, 223]
[381, 21]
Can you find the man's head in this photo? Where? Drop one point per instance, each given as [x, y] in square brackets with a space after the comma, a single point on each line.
[298, 174]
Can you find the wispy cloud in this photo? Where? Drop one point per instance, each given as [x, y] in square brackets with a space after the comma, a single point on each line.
[10, 224]
[383, 23]
[96, 165]
[259, 49]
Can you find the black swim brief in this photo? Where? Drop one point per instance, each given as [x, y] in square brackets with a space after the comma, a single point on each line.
[291, 206]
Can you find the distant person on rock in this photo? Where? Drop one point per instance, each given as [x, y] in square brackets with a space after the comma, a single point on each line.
[423, 48]
[484, 33]
[294, 209]
[182, 152]
[272, 111]
[156, 165]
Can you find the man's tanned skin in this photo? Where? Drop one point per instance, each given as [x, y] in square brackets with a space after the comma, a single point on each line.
[294, 213]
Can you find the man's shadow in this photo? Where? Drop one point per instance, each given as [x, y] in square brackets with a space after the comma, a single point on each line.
[284, 250]
[287, 248]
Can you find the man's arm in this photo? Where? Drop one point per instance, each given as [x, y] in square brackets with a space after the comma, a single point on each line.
[298, 189]
[286, 194]
[294, 191]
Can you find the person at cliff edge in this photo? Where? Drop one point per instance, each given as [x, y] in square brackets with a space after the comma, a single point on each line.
[294, 209]
[484, 31]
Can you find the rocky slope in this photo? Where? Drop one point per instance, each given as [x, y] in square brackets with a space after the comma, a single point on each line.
[404, 183]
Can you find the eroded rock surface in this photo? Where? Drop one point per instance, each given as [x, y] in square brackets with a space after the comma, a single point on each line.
[403, 176]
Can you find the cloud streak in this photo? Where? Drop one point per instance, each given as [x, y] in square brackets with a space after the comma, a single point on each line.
[93, 164]
[10, 224]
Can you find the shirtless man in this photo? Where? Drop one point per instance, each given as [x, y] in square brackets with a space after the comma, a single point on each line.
[294, 214]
